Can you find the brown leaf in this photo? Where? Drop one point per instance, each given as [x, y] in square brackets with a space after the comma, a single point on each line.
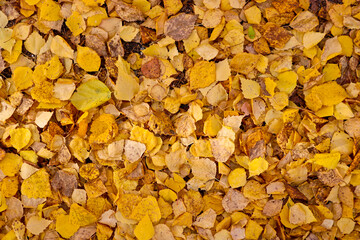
[305, 21]
[94, 42]
[115, 46]
[272, 207]
[151, 69]
[64, 182]
[261, 46]
[84, 233]
[294, 193]
[179, 27]
[160, 123]
[234, 201]
[346, 196]
[110, 64]
[330, 178]
[128, 12]
[147, 35]
[354, 164]
[275, 35]
[284, 6]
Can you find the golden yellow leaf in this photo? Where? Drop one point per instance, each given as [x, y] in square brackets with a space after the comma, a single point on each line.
[37, 185]
[76, 23]
[22, 78]
[203, 74]
[145, 229]
[258, 166]
[88, 59]
[11, 163]
[79, 216]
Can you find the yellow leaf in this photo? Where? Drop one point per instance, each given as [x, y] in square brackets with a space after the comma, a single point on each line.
[311, 39]
[126, 84]
[61, 48]
[250, 88]
[80, 216]
[34, 43]
[244, 63]
[253, 230]
[144, 230]
[22, 77]
[279, 101]
[88, 59]
[212, 125]
[330, 93]
[253, 15]
[95, 20]
[184, 219]
[168, 195]
[32, 2]
[270, 85]
[143, 5]
[93, 3]
[284, 215]
[76, 23]
[49, 10]
[203, 74]
[331, 72]
[144, 136]
[176, 183]
[257, 166]
[37, 185]
[53, 68]
[331, 49]
[128, 33]
[347, 45]
[172, 6]
[15, 53]
[6, 40]
[20, 138]
[9, 186]
[237, 178]
[343, 111]
[201, 148]
[9, 236]
[345, 225]
[192, 41]
[328, 160]
[287, 81]
[90, 94]
[103, 129]
[147, 207]
[11, 163]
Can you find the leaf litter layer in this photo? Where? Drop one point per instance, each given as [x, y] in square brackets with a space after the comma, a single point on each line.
[204, 119]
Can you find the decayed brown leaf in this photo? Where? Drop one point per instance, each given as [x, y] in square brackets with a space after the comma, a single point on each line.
[179, 27]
